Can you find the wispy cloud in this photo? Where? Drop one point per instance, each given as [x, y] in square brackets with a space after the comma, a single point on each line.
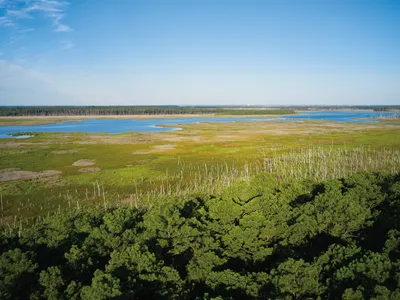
[19, 84]
[66, 45]
[61, 28]
[5, 21]
[10, 70]
[24, 9]
[26, 30]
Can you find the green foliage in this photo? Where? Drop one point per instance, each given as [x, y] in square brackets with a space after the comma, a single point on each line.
[260, 239]
[340, 214]
[103, 286]
[23, 134]
[52, 281]
[16, 271]
[297, 278]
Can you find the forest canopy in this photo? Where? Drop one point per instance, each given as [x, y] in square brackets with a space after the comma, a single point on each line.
[133, 110]
[336, 239]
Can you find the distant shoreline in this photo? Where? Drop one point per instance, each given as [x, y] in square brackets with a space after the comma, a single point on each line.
[137, 117]
[43, 120]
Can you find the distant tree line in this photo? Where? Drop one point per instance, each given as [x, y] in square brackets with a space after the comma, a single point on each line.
[242, 112]
[388, 108]
[130, 110]
[345, 107]
[27, 111]
[265, 239]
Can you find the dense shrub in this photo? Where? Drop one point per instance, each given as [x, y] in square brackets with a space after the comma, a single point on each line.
[338, 239]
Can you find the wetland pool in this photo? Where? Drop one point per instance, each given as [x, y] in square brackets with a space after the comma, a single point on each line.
[115, 126]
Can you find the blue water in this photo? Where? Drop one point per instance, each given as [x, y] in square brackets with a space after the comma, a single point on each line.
[114, 126]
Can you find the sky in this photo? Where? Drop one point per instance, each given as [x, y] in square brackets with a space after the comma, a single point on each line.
[205, 52]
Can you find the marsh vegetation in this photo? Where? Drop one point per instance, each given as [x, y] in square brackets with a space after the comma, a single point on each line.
[144, 167]
[233, 210]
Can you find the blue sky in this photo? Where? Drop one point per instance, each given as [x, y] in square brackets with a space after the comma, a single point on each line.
[128, 52]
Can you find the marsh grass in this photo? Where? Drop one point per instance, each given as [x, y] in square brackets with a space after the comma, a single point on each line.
[205, 158]
[313, 162]
[322, 163]
[187, 178]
